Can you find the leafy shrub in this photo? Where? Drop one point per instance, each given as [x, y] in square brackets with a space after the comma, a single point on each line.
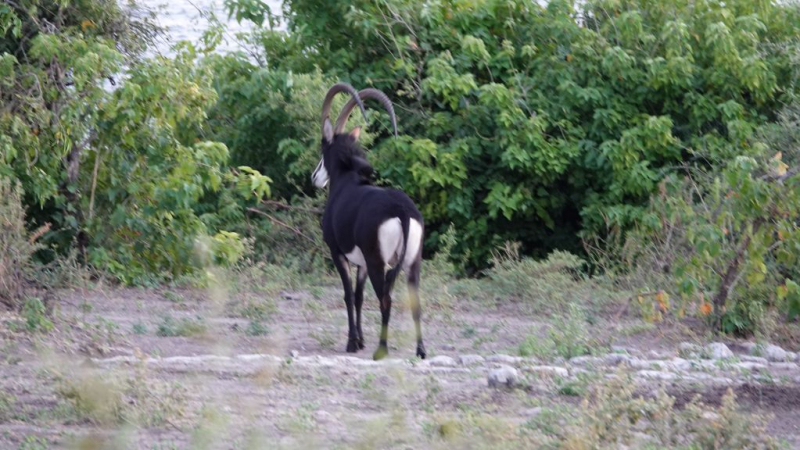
[519, 122]
[613, 415]
[724, 242]
[35, 314]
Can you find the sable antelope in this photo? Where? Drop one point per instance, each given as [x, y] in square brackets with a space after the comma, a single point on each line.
[378, 229]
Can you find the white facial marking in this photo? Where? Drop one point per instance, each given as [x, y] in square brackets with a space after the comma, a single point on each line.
[320, 175]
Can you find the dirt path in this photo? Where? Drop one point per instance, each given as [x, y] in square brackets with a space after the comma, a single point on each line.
[192, 369]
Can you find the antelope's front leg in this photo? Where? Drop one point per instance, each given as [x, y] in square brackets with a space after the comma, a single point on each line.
[343, 266]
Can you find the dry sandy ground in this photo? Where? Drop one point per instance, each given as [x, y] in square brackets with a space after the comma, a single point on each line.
[268, 370]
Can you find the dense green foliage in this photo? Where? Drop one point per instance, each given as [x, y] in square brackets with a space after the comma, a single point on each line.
[125, 171]
[546, 126]
[539, 125]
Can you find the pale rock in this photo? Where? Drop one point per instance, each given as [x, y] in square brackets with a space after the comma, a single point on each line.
[688, 349]
[774, 353]
[749, 366]
[533, 412]
[503, 376]
[442, 361]
[506, 359]
[647, 364]
[680, 364]
[294, 353]
[718, 350]
[615, 359]
[551, 370]
[656, 375]
[470, 360]
[754, 359]
[784, 366]
[584, 361]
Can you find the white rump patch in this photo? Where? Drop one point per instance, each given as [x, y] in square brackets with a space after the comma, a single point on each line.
[390, 240]
[356, 257]
[320, 175]
[414, 244]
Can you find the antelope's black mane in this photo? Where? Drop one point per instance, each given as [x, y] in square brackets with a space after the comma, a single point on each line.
[352, 157]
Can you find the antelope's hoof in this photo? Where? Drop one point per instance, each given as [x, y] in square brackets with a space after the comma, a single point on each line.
[421, 351]
[380, 353]
[361, 343]
[352, 346]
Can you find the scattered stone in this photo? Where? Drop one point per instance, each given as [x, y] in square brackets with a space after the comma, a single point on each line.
[614, 359]
[752, 348]
[533, 412]
[656, 375]
[791, 356]
[442, 361]
[652, 354]
[470, 360]
[774, 353]
[785, 366]
[552, 370]
[294, 353]
[506, 359]
[718, 350]
[750, 366]
[291, 295]
[754, 359]
[680, 364]
[503, 376]
[708, 415]
[323, 417]
[618, 349]
[647, 364]
[688, 349]
[585, 361]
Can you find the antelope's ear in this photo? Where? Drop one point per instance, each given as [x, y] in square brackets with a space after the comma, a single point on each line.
[355, 133]
[327, 131]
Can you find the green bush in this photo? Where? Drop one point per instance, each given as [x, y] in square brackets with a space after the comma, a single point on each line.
[519, 122]
[724, 242]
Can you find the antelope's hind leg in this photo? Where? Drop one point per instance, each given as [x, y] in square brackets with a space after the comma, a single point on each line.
[416, 308]
[343, 267]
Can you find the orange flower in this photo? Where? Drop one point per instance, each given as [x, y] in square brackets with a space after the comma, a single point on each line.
[662, 298]
[705, 309]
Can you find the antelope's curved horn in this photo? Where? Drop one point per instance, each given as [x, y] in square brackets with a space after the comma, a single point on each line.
[335, 89]
[363, 95]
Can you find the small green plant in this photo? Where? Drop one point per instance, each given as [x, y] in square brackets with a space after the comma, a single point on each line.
[324, 338]
[569, 335]
[174, 297]
[535, 346]
[256, 328]
[7, 402]
[567, 338]
[35, 314]
[184, 327]
[34, 443]
[139, 328]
